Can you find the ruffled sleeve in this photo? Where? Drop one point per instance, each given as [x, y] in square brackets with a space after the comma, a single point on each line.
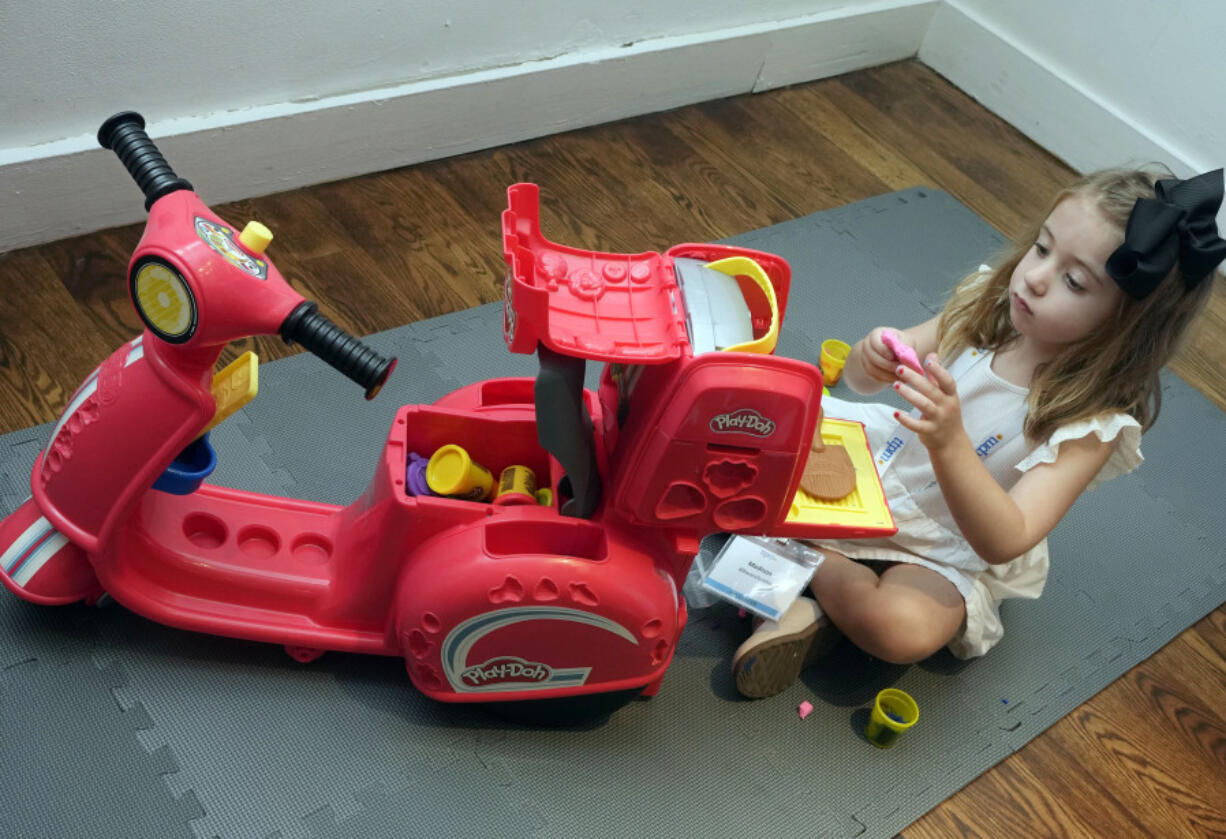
[1126, 457]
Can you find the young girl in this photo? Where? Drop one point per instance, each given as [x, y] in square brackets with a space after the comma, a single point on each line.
[1039, 377]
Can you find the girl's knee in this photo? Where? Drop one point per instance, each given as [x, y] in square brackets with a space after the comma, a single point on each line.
[902, 633]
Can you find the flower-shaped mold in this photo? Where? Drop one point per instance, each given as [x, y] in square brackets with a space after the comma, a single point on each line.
[726, 478]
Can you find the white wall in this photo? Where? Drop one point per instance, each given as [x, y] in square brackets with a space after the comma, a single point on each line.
[247, 99]
[67, 62]
[1097, 82]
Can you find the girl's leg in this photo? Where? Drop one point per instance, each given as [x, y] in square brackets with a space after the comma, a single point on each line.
[903, 616]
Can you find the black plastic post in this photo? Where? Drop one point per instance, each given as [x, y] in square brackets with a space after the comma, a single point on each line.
[564, 428]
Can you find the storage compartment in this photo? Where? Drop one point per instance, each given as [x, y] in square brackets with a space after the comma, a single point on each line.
[491, 441]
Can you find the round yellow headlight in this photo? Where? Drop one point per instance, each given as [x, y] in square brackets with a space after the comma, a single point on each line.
[164, 301]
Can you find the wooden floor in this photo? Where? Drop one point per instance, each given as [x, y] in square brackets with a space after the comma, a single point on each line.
[1145, 757]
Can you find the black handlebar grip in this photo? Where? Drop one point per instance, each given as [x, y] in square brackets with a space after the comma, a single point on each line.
[334, 345]
[125, 135]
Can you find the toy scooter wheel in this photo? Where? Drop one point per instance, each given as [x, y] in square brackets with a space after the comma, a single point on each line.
[564, 711]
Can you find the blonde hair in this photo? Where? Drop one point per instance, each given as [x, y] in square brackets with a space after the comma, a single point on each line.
[1115, 367]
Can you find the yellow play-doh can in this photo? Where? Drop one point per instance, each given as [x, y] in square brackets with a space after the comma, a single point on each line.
[452, 472]
[834, 356]
[893, 713]
[516, 485]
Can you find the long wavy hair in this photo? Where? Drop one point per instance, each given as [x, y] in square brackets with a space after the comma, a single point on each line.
[1115, 367]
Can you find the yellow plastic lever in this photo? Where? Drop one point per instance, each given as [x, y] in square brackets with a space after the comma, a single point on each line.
[234, 386]
[743, 266]
[255, 237]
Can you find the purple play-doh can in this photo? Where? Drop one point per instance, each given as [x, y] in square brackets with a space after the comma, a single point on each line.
[415, 476]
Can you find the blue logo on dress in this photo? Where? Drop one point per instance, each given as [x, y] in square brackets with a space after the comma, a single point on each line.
[987, 445]
[891, 448]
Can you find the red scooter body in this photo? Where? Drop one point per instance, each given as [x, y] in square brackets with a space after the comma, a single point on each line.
[151, 398]
[142, 406]
[485, 601]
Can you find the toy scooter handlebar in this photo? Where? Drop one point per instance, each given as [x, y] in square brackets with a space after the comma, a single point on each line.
[337, 347]
[125, 135]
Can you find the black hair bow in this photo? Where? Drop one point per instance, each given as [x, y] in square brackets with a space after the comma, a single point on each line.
[1179, 223]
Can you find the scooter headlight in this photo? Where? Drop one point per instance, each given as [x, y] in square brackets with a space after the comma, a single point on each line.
[164, 300]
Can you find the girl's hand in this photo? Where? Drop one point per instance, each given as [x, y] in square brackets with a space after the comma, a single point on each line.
[876, 359]
[936, 396]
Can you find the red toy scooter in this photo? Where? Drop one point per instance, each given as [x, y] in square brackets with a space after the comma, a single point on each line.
[689, 433]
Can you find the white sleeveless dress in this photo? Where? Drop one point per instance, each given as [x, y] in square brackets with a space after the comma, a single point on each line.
[992, 412]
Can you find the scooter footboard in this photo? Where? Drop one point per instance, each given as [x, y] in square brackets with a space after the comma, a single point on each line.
[532, 609]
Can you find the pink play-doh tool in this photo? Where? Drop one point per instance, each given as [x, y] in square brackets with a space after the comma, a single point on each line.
[902, 351]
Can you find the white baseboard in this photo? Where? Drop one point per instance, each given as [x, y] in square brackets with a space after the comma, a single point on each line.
[1040, 100]
[72, 187]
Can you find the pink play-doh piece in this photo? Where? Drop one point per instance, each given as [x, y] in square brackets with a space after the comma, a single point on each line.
[805, 709]
[902, 352]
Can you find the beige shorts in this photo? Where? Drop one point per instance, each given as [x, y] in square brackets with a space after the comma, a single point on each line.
[981, 628]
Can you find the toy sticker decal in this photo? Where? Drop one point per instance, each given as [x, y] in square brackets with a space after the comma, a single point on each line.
[506, 669]
[743, 421]
[508, 672]
[221, 239]
[31, 551]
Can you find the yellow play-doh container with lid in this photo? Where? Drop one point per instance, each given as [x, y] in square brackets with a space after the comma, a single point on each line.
[453, 473]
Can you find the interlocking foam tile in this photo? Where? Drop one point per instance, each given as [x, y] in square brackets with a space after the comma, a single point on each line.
[70, 764]
[1186, 451]
[430, 809]
[17, 453]
[346, 747]
[28, 632]
[264, 740]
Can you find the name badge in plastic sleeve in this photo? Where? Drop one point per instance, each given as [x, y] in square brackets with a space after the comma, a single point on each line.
[762, 575]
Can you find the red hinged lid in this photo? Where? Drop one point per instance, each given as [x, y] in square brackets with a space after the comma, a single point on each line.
[603, 306]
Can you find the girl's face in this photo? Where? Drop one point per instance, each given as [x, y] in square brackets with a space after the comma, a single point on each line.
[1060, 291]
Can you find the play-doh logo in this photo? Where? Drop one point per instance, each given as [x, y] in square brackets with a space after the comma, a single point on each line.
[506, 669]
[508, 672]
[743, 421]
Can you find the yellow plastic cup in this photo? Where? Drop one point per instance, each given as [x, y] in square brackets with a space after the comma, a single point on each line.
[893, 713]
[452, 472]
[834, 356]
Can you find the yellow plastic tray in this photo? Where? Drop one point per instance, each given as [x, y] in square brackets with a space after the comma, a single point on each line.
[862, 514]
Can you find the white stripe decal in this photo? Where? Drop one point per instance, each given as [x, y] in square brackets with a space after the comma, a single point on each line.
[28, 539]
[91, 385]
[85, 393]
[39, 558]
